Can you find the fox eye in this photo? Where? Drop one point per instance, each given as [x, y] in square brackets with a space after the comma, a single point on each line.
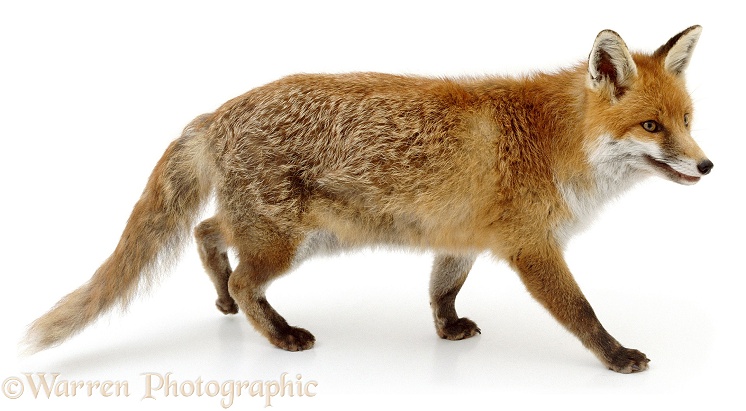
[686, 120]
[651, 126]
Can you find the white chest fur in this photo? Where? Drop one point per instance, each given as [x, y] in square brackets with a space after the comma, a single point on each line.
[615, 167]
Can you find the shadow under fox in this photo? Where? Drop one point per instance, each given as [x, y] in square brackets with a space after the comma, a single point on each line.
[314, 164]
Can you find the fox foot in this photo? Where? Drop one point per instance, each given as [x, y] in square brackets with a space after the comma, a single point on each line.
[226, 306]
[458, 330]
[294, 339]
[627, 361]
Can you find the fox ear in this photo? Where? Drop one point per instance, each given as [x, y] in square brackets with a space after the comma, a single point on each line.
[610, 64]
[678, 50]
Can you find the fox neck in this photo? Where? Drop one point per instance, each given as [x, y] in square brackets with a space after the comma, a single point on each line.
[605, 178]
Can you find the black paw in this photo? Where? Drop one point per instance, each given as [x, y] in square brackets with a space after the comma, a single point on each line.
[461, 329]
[294, 339]
[226, 306]
[627, 361]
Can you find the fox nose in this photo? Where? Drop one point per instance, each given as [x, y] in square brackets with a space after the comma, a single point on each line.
[705, 166]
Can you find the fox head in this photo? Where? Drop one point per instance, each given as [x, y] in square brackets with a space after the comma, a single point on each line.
[639, 103]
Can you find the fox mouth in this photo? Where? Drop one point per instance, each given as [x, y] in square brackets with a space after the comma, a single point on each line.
[669, 172]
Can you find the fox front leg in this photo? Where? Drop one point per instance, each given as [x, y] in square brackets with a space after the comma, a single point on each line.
[547, 278]
[448, 275]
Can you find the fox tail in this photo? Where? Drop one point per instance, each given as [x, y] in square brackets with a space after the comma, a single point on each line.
[160, 223]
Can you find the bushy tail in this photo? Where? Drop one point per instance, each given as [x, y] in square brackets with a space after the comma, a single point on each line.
[160, 222]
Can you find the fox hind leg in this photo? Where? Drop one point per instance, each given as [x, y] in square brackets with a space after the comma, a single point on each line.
[260, 262]
[212, 249]
[448, 275]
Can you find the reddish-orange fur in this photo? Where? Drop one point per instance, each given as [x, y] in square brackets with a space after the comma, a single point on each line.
[312, 164]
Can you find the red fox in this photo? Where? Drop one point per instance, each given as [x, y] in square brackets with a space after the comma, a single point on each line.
[316, 164]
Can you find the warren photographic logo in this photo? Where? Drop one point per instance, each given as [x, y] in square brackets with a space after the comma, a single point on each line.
[157, 386]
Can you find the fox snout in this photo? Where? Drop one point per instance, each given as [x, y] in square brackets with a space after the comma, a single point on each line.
[680, 169]
[682, 161]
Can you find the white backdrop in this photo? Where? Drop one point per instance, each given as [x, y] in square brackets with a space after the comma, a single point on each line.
[92, 93]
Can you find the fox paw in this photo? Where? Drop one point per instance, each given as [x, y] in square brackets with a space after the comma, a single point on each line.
[295, 339]
[461, 329]
[627, 361]
[226, 306]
